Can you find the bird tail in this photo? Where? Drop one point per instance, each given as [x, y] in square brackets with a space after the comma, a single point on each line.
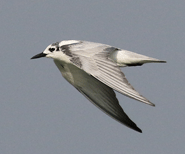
[127, 58]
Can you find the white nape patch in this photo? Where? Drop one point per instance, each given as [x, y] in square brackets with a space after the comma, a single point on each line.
[67, 42]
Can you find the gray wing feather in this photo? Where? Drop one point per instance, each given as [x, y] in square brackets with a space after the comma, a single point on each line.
[97, 92]
[112, 76]
[103, 97]
[99, 65]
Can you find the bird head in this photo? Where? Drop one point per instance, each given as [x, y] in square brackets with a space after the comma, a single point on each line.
[51, 51]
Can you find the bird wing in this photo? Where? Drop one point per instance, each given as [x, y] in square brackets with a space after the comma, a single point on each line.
[111, 75]
[98, 93]
[100, 66]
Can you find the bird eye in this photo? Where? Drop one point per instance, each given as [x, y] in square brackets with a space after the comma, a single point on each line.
[51, 49]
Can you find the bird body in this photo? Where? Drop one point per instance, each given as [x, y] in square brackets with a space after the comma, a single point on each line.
[94, 70]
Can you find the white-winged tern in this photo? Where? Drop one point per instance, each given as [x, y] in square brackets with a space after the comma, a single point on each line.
[94, 70]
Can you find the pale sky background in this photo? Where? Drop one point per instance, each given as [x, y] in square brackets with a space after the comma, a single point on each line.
[40, 113]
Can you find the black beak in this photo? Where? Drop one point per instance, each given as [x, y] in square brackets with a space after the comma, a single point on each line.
[39, 55]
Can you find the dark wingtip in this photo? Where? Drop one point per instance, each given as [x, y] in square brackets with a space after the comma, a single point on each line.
[134, 127]
[138, 129]
[151, 104]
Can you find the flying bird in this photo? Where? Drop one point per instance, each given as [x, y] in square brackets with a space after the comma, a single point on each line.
[94, 70]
